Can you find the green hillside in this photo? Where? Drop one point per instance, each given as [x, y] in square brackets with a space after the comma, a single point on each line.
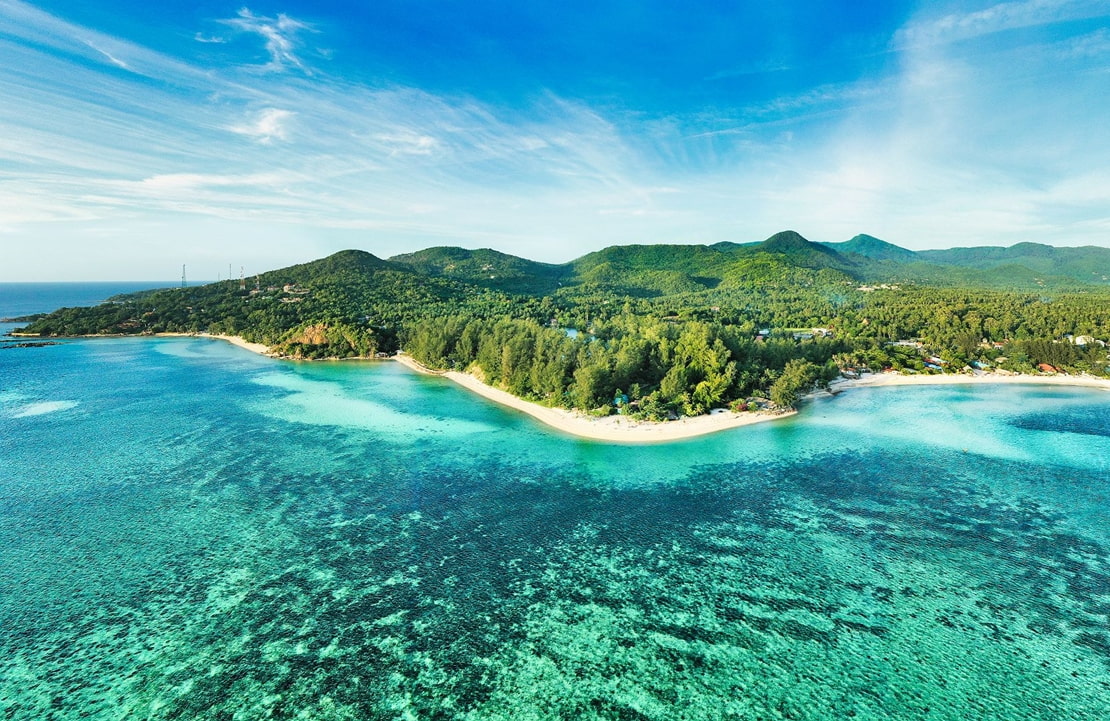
[870, 247]
[674, 328]
[486, 268]
[362, 300]
[1086, 264]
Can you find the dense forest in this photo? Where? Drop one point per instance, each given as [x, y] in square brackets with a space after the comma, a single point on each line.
[661, 330]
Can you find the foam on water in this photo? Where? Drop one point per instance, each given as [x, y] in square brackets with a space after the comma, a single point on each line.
[42, 408]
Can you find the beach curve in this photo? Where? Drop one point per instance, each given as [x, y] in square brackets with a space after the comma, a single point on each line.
[622, 429]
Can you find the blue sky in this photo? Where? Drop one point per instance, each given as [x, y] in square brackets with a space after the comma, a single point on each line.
[136, 137]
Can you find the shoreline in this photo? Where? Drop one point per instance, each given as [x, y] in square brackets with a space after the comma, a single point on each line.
[259, 348]
[883, 380]
[622, 429]
[610, 428]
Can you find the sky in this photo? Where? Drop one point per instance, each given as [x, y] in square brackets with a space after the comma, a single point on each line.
[138, 137]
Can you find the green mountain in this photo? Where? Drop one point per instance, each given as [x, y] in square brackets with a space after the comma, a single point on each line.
[355, 289]
[655, 270]
[790, 247]
[349, 303]
[1086, 264]
[650, 270]
[675, 328]
[486, 268]
[872, 248]
[345, 262]
[1025, 265]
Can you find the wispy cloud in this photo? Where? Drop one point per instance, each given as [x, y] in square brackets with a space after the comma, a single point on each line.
[1091, 46]
[409, 143]
[280, 34]
[997, 18]
[182, 182]
[946, 146]
[265, 125]
[34, 32]
[111, 58]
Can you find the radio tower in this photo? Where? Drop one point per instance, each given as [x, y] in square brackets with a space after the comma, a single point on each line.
[183, 275]
[242, 279]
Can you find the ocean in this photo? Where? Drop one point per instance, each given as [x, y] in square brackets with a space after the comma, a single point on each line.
[22, 299]
[192, 531]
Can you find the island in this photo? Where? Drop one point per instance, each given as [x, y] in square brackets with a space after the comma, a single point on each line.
[658, 342]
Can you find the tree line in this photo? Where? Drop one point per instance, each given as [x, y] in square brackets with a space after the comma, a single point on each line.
[661, 367]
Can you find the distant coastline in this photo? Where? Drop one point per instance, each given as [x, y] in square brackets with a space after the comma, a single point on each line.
[622, 429]
[874, 380]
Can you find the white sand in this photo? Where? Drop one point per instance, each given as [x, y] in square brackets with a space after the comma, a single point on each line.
[626, 430]
[611, 428]
[897, 379]
[232, 339]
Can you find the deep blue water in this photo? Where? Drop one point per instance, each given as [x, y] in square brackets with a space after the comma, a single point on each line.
[194, 531]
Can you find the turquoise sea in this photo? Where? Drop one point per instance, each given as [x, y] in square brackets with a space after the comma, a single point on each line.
[191, 531]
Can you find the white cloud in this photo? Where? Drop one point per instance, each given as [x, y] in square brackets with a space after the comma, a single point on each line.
[28, 28]
[997, 18]
[1091, 46]
[280, 34]
[113, 59]
[975, 145]
[266, 125]
[182, 182]
[409, 143]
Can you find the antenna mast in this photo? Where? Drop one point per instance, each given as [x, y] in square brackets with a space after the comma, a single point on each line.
[242, 279]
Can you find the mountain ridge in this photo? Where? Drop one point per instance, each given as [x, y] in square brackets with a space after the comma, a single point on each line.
[667, 267]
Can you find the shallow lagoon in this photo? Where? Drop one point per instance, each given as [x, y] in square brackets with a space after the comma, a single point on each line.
[192, 531]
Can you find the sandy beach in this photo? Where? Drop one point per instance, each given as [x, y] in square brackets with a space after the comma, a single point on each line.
[232, 339]
[626, 430]
[872, 380]
[612, 428]
[621, 429]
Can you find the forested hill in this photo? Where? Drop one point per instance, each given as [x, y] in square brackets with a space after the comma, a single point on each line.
[874, 249]
[486, 268]
[656, 270]
[1088, 264]
[1021, 266]
[675, 328]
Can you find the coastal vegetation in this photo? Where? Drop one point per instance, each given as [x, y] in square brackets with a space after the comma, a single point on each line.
[661, 330]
